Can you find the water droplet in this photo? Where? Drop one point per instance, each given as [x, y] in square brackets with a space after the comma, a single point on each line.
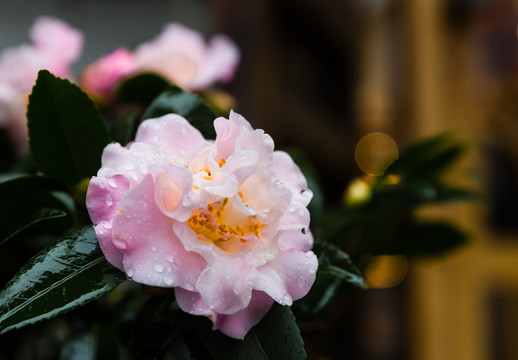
[130, 272]
[109, 200]
[142, 199]
[153, 248]
[112, 183]
[168, 257]
[310, 254]
[168, 280]
[108, 226]
[158, 268]
[312, 269]
[301, 281]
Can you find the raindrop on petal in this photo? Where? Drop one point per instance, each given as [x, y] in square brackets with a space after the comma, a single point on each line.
[168, 280]
[109, 200]
[158, 268]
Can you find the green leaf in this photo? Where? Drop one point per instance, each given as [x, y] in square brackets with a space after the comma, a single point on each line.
[335, 269]
[426, 158]
[42, 215]
[64, 276]
[22, 196]
[66, 133]
[190, 106]
[142, 88]
[277, 336]
[426, 239]
[122, 129]
[332, 260]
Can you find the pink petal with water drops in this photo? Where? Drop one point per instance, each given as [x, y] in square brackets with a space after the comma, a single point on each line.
[103, 231]
[227, 131]
[162, 130]
[238, 324]
[289, 277]
[290, 175]
[225, 286]
[153, 255]
[104, 195]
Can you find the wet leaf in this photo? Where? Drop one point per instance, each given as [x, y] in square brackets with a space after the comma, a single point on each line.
[190, 106]
[64, 276]
[66, 133]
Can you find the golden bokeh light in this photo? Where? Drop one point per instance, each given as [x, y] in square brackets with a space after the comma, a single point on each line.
[375, 152]
[386, 271]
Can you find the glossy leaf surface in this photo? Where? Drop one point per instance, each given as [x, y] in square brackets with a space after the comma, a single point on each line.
[66, 133]
[65, 275]
[190, 106]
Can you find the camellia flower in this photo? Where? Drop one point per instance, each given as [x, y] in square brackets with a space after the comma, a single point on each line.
[178, 54]
[224, 222]
[55, 47]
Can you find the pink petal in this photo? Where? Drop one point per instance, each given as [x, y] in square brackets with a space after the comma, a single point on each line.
[297, 239]
[238, 324]
[187, 139]
[153, 255]
[102, 76]
[225, 286]
[171, 188]
[104, 236]
[227, 131]
[291, 176]
[60, 43]
[192, 303]
[218, 64]
[289, 277]
[104, 195]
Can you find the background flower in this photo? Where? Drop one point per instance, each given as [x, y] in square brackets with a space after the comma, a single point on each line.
[55, 46]
[178, 54]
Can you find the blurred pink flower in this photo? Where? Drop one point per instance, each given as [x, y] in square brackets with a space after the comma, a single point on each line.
[55, 47]
[100, 77]
[178, 54]
[225, 222]
[181, 56]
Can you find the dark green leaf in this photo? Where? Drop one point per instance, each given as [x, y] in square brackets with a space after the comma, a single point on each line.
[190, 106]
[335, 269]
[426, 158]
[7, 153]
[333, 261]
[22, 196]
[66, 133]
[64, 276]
[142, 88]
[122, 128]
[42, 215]
[424, 239]
[277, 336]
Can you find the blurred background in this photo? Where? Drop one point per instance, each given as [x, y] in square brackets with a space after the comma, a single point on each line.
[320, 75]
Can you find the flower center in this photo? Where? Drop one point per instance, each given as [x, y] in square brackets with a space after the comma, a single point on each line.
[227, 228]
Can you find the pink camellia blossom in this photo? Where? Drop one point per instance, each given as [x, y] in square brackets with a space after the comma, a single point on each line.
[100, 78]
[181, 56]
[55, 47]
[178, 54]
[224, 222]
